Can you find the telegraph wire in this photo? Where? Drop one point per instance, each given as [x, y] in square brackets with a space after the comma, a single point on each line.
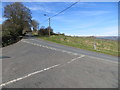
[65, 9]
[44, 21]
[62, 11]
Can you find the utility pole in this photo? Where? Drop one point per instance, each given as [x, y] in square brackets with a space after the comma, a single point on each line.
[48, 22]
[49, 26]
[94, 45]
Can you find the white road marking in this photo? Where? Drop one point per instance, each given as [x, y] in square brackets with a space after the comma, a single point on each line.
[18, 79]
[76, 58]
[50, 47]
[36, 72]
[68, 51]
[86, 55]
[21, 78]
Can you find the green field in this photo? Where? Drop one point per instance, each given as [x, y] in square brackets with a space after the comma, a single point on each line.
[103, 46]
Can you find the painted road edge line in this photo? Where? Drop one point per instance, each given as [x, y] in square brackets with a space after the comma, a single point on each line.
[51, 48]
[36, 72]
[116, 62]
[28, 75]
[64, 51]
[76, 58]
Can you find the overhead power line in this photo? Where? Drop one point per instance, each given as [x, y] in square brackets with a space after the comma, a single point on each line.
[65, 9]
[61, 11]
[44, 21]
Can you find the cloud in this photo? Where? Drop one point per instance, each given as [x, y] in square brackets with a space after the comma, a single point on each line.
[94, 31]
[86, 5]
[80, 24]
[91, 13]
[44, 9]
[34, 8]
[104, 31]
[109, 31]
[1, 19]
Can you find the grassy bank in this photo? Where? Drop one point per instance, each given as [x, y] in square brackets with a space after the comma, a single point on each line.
[103, 46]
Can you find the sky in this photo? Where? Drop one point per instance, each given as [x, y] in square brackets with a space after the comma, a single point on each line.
[82, 19]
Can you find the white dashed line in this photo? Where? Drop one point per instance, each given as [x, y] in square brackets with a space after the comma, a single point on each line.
[31, 74]
[76, 58]
[86, 55]
[18, 79]
[64, 51]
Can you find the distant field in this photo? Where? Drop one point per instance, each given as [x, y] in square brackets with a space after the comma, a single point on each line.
[103, 46]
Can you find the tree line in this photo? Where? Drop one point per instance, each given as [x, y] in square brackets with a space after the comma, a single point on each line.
[18, 22]
[18, 18]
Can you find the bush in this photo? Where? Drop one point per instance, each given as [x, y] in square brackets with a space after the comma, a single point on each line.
[45, 31]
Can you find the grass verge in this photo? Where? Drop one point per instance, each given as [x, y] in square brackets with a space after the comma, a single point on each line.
[109, 47]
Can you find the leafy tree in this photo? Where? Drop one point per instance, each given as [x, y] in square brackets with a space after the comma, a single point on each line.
[35, 25]
[8, 27]
[18, 19]
[41, 31]
[9, 34]
[18, 15]
[45, 31]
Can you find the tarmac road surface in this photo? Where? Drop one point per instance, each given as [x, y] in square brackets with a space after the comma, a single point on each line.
[35, 63]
